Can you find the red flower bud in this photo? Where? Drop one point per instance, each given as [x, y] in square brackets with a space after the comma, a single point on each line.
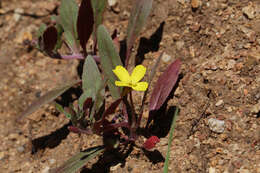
[151, 142]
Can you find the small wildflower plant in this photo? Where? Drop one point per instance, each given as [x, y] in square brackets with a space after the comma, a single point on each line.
[118, 122]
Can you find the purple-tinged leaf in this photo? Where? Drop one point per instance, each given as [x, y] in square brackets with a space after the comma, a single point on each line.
[50, 38]
[79, 131]
[48, 97]
[79, 160]
[112, 127]
[88, 103]
[164, 85]
[110, 110]
[138, 17]
[68, 20]
[109, 58]
[85, 23]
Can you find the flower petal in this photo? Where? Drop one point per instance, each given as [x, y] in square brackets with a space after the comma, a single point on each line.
[120, 83]
[122, 74]
[140, 86]
[138, 73]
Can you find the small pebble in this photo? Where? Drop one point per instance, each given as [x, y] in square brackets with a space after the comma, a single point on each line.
[220, 102]
[2, 155]
[46, 169]
[17, 14]
[195, 4]
[212, 170]
[166, 58]
[179, 44]
[20, 149]
[255, 109]
[112, 2]
[249, 11]
[217, 126]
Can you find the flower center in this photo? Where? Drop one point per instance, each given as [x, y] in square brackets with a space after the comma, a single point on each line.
[134, 84]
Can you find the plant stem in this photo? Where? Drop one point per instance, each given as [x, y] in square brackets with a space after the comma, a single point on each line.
[166, 163]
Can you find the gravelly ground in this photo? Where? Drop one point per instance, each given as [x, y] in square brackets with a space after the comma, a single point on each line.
[219, 46]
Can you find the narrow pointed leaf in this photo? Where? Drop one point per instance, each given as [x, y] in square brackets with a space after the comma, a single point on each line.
[109, 59]
[98, 10]
[60, 109]
[59, 38]
[79, 131]
[85, 23]
[138, 17]
[110, 110]
[50, 38]
[68, 20]
[164, 85]
[79, 160]
[48, 97]
[40, 43]
[166, 162]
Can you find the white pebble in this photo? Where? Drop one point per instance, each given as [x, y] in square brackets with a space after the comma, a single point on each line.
[220, 102]
[217, 126]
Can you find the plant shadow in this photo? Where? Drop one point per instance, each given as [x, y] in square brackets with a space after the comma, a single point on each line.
[159, 121]
[69, 96]
[108, 159]
[50, 141]
[149, 45]
[154, 156]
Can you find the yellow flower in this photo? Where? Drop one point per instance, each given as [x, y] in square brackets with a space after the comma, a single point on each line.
[133, 80]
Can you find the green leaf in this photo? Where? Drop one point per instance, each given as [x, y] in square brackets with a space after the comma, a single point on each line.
[60, 109]
[109, 59]
[138, 17]
[68, 19]
[41, 30]
[166, 163]
[59, 40]
[79, 160]
[48, 97]
[91, 81]
[98, 9]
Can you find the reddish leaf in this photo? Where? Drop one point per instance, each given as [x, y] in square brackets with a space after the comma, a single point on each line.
[50, 38]
[111, 109]
[88, 103]
[85, 23]
[116, 40]
[151, 142]
[164, 85]
[79, 131]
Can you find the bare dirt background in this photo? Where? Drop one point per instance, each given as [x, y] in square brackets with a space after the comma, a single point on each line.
[218, 42]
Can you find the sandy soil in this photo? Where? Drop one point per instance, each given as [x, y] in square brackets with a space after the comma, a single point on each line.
[218, 43]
